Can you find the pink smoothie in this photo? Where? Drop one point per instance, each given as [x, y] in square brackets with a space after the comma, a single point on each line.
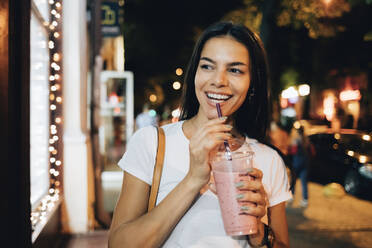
[226, 174]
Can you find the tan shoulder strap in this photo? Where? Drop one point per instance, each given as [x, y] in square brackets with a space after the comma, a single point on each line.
[157, 169]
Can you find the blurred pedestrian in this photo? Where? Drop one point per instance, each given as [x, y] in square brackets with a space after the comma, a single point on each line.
[279, 139]
[146, 118]
[229, 67]
[300, 149]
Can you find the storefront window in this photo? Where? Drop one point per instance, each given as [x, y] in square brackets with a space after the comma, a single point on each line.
[42, 6]
[117, 118]
[115, 130]
[39, 111]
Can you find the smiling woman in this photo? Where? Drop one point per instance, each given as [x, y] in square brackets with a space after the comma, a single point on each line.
[222, 76]
[228, 67]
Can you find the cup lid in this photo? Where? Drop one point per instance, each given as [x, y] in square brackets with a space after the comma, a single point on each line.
[239, 147]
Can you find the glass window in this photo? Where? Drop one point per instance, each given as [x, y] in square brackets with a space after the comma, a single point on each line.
[39, 110]
[42, 7]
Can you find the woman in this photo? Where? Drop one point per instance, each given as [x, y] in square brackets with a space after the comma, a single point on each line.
[228, 66]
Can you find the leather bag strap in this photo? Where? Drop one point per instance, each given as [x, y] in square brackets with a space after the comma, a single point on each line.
[157, 169]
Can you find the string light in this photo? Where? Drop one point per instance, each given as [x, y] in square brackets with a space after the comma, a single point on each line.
[49, 201]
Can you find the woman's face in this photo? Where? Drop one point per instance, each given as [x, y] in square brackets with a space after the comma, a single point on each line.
[222, 76]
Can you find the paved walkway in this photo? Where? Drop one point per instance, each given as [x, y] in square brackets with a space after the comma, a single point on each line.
[329, 221]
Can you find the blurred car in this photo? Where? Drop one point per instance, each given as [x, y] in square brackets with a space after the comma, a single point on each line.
[344, 157]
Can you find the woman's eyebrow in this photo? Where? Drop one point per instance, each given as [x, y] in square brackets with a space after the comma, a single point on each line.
[229, 64]
[208, 59]
[237, 63]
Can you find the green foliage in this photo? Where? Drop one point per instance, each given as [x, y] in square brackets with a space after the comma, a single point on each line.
[250, 15]
[289, 78]
[318, 17]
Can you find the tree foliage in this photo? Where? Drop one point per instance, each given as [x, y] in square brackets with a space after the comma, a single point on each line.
[318, 17]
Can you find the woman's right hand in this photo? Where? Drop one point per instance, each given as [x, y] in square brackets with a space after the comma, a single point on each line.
[202, 142]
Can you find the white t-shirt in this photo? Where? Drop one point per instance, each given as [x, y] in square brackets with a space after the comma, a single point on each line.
[202, 225]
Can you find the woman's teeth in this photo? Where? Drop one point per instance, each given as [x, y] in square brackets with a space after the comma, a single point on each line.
[217, 97]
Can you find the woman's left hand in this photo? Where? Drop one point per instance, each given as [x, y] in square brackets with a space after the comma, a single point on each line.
[251, 194]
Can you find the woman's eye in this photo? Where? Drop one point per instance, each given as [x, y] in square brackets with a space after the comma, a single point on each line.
[235, 70]
[206, 67]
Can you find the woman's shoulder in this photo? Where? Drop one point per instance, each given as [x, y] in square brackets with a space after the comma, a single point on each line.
[144, 131]
[267, 152]
[263, 148]
[143, 135]
[172, 128]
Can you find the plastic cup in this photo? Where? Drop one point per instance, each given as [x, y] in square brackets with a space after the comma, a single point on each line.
[226, 174]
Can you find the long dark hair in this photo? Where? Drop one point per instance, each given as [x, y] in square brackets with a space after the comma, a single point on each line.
[252, 117]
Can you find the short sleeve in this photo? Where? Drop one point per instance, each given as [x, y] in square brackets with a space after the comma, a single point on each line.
[139, 158]
[279, 182]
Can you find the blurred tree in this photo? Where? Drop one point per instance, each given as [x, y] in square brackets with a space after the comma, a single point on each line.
[318, 17]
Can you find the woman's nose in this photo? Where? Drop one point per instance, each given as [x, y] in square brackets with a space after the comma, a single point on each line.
[221, 79]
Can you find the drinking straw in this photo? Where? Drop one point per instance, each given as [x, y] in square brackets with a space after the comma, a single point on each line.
[227, 147]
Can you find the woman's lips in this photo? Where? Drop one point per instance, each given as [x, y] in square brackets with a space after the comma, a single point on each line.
[217, 97]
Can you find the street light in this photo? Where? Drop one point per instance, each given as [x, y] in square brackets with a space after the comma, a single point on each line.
[179, 71]
[304, 90]
[327, 1]
[291, 92]
[153, 98]
[176, 85]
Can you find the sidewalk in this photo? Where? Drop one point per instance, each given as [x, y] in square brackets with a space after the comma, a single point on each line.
[343, 221]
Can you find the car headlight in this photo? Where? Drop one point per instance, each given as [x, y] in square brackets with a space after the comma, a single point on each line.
[366, 170]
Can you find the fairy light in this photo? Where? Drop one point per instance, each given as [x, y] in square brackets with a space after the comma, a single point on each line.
[49, 201]
[51, 44]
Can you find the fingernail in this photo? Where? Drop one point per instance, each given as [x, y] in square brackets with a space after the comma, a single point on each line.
[244, 208]
[249, 170]
[223, 118]
[239, 184]
[239, 196]
[229, 126]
